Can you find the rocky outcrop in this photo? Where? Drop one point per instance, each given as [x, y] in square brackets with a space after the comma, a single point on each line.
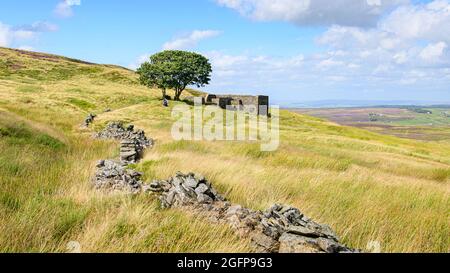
[281, 228]
[114, 176]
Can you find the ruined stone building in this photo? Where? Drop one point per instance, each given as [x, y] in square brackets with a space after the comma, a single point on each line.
[239, 102]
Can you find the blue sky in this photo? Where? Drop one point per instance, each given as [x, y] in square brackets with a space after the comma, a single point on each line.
[292, 50]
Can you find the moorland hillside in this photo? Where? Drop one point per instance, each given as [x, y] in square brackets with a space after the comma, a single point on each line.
[366, 186]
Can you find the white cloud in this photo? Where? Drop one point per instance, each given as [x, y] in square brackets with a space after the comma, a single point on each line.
[342, 37]
[426, 21]
[23, 34]
[224, 61]
[401, 57]
[39, 26]
[398, 38]
[26, 48]
[249, 74]
[140, 60]
[325, 64]
[185, 42]
[190, 40]
[433, 52]
[64, 8]
[314, 12]
[5, 35]
[11, 35]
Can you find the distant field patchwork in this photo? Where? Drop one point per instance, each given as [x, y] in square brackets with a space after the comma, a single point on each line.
[408, 122]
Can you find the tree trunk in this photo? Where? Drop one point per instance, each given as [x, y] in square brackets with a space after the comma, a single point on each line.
[178, 94]
[163, 93]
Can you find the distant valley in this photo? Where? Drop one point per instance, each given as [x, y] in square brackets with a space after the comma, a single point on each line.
[416, 122]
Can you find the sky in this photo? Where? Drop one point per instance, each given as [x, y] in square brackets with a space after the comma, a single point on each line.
[292, 50]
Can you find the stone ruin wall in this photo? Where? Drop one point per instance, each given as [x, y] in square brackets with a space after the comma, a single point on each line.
[239, 102]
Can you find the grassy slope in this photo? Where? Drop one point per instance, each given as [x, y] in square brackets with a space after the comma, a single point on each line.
[366, 186]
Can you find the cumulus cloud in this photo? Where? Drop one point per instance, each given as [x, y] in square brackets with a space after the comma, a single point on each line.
[39, 26]
[190, 40]
[427, 21]
[249, 74]
[401, 49]
[139, 60]
[433, 52]
[399, 37]
[9, 35]
[5, 35]
[314, 12]
[64, 8]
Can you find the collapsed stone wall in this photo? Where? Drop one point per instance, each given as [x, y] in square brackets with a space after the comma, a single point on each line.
[114, 175]
[280, 229]
[133, 143]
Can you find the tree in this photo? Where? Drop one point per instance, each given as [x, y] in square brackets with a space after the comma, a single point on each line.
[175, 69]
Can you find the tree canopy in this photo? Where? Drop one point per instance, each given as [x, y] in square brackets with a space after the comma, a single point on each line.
[175, 69]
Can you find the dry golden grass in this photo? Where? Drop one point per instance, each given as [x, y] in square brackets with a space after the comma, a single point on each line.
[365, 185]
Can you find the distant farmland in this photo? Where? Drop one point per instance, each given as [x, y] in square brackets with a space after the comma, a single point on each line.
[430, 123]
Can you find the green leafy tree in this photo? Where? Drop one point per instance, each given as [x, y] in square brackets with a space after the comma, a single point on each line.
[175, 69]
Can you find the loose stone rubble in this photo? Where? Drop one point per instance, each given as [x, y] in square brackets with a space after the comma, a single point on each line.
[114, 176]
[183, 190]
[281, 228]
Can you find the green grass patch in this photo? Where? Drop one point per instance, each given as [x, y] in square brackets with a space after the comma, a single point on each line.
[116, 76]
[70, 220]
[9, 166]
[20, 134]
[441, 175]
[8, 201]
[30, 89]
[84, 105]
[148, 168]
[122, 228]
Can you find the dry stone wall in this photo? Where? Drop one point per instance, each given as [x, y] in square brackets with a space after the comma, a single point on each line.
[133, 143]
[279, 229]
[114, 175]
